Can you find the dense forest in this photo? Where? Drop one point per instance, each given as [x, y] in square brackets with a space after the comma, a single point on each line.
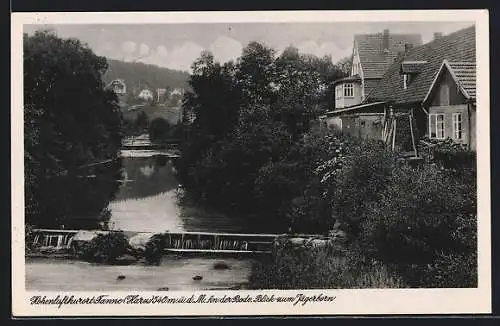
[138, 74]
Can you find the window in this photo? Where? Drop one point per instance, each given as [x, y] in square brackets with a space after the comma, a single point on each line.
[338, 91]
[406, 81]
[436, 126]
[457, 126]
[348, 90]
[444, 99]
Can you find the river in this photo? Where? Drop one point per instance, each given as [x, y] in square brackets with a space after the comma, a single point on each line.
[147, 201]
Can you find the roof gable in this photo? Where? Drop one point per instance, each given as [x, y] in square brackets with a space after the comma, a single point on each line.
[374, 58]
[464, 75]
[457, 47]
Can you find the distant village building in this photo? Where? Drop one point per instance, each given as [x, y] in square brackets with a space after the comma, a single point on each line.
[160, 94]
[434, 84]
[146, 95]
[177, 92]
[176, 96]
[118, 86]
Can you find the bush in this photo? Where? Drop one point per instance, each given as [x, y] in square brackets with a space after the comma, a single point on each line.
[28, 238]
[448, 154]
[159, 129]
[105, 248]
[320, 268]
[424, 217]
[451, 270]
[454, 156]
[154, 249]
[365, 171]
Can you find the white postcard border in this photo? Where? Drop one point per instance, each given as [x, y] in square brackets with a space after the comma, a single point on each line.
[347, 302]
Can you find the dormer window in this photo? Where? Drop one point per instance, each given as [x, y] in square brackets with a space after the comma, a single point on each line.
[348, 90]
[409, 69]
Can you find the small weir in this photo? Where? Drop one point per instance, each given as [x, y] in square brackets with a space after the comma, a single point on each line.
[219, 242]
[179, 242]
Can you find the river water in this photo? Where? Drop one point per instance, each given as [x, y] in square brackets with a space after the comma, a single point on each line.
[147, 201]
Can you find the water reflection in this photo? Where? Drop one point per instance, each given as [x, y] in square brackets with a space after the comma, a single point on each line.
[147, 201]
[146, 176]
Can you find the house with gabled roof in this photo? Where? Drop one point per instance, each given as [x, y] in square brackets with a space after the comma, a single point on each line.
[118, 86]
[372, 55]
[436, 83]
[451, 103]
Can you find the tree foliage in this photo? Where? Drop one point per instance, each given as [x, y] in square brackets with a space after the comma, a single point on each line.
[71, 122]
[249, 118]
[159, 129]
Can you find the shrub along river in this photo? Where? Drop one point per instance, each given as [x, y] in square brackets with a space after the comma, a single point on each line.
[147, 201]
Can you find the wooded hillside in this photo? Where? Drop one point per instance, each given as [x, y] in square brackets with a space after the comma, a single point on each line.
[138, 75]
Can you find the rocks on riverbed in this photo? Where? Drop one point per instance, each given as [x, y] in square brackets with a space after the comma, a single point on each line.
[163, 289]
[125, 260]
[221, 266]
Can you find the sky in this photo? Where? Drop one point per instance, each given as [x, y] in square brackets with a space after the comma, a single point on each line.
[177, 45]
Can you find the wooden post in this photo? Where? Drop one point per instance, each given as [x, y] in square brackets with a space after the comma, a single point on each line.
[59, 241]
[412, 136]
[394, 135]
[384, 130]
[469, 125]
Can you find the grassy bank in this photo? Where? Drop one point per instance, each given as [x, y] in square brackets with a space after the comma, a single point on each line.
[320, 268]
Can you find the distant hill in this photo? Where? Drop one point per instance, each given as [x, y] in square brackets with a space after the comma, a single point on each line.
[138, 75]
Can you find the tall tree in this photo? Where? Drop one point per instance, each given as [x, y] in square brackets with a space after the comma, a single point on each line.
[213, 99]
[345, 65]
[72, 124]
[255, 77]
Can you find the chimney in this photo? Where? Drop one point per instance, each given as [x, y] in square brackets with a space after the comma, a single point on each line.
[385, 40]
[438, 35]
[408, 47]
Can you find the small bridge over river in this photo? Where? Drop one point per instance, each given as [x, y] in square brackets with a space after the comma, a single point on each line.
[142, 146]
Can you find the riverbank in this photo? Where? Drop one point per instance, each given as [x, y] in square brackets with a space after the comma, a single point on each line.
[320, 268]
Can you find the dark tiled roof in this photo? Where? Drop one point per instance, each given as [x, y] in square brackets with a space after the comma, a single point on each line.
[459, 46]
[412, 67]
[465, 72]
[354, 78]
[374, 59]
[370, 84]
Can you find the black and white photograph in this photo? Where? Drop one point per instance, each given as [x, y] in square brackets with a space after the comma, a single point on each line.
[273, 161]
